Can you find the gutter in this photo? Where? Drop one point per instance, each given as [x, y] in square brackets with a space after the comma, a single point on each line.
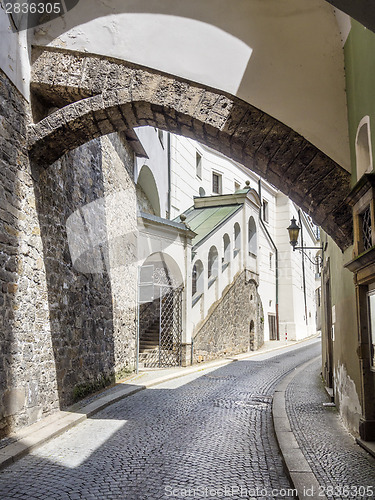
[276, 259]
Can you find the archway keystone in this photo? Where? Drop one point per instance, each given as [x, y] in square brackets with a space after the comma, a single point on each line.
[82, 96]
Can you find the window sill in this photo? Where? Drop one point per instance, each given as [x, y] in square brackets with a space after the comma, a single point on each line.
[212, 281]
[196, 298]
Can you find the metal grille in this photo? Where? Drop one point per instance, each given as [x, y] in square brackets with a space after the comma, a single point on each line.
[170, 333]
[366, 229]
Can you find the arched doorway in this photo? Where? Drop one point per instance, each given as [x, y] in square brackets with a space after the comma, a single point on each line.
[160, 289]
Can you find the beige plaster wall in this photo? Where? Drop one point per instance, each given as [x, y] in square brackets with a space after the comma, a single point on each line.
[346, 370]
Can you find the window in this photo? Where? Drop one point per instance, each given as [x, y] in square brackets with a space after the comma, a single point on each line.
[271, 259]
[371, 314]
[366, 229]
[265, 211]
[252, 237]
[198, 165]
[197, 279]
[363, 148]
[212, 265]
[317, 266]
[237, 239]
[161, 137]
[226, 253]
[216, 183]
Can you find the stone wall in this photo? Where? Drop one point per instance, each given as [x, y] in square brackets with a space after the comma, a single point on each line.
[68, 253]
[234, 324]
[87, 211]
[28, 386]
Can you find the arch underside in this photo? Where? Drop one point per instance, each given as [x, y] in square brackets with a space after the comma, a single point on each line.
[86, 96]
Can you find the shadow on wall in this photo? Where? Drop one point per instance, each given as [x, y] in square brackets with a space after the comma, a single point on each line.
[80, 305]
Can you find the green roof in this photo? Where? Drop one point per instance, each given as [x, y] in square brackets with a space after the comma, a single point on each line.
[204, 221]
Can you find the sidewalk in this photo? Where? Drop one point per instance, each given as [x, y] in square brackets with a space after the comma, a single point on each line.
[322, 458]
[20, 444]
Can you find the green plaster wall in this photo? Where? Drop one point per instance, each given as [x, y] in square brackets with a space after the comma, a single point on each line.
[360, 81]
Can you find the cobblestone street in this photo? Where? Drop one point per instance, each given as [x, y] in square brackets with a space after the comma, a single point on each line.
[343, 469]
[211, 433]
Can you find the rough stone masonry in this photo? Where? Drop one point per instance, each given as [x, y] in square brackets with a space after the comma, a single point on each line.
[67, 276]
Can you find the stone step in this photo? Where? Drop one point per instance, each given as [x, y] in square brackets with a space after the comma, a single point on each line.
[152, 330]
[154, 342]
[147, 352]
[145, 349]
[150, 334]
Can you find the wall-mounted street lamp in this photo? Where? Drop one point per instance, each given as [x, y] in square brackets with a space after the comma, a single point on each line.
[293, 231]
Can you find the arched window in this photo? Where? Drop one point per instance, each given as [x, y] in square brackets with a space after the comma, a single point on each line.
[212, 265]
[226, 252]
[147, 192]
[197, 279]
[363, 149]
[237, 239]
[252, 237]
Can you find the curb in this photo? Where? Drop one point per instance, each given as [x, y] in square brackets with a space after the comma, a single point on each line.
[299, 470]
[369, 446]
[35, 435]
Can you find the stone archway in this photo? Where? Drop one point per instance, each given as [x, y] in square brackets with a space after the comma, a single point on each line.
[81, 96]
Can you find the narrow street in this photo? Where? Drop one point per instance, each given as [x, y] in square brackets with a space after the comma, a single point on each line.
[201, 431]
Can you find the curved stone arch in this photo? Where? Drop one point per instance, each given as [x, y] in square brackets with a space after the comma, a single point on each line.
[96, 96]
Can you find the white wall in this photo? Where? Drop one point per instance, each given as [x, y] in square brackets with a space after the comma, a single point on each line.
[267, 274]
[14, 58]
[154, 238]
[186, 184]
[293, 323]
[157, 162]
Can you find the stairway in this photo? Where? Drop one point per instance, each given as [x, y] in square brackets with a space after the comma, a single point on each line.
[149, 346]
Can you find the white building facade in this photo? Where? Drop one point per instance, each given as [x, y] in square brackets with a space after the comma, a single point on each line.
[237, 225]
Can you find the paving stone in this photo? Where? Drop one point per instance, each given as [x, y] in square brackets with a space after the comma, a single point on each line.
[211, 431]
[342, 468]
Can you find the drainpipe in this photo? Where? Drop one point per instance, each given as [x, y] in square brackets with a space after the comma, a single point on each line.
[276, 260]
[169, 173]
[303, 266]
